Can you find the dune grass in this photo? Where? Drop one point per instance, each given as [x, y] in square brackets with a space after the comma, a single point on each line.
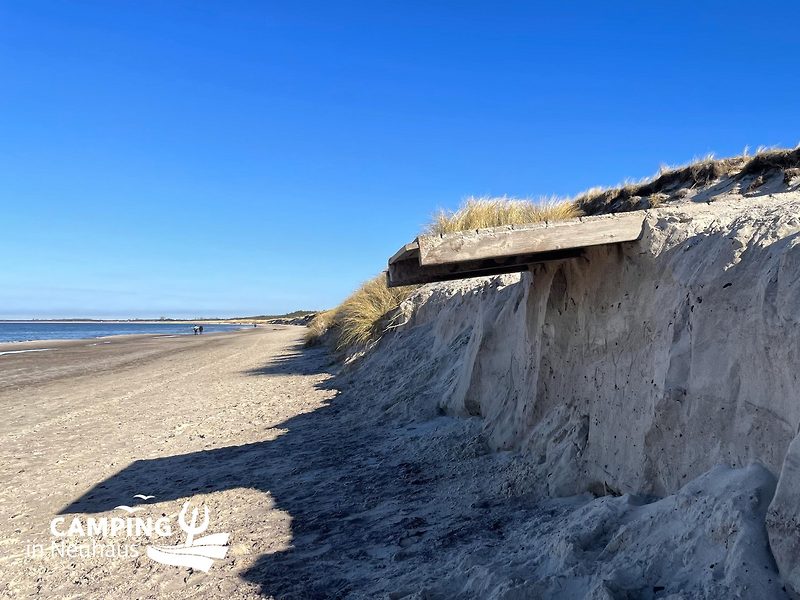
[358, 320]
[318, 327]
[674, 182]
[480, 213]
[361, 318]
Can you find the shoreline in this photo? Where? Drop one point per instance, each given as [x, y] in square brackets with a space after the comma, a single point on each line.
[60, 342]
[16, 343]
[128, 321]
[231, 321]
[32, 363]
[88, 322]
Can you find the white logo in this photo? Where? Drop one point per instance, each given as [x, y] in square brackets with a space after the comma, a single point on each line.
[195, 553]
[88, 537]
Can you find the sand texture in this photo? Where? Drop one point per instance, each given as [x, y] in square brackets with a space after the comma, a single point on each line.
[328, 494]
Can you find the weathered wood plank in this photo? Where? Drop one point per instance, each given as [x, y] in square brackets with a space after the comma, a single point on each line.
[502, 242]
[405, 252]
[409, 271]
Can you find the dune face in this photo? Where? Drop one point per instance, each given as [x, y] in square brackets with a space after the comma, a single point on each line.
[636, 369]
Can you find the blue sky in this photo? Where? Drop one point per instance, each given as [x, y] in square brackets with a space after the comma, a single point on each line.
[220, 158]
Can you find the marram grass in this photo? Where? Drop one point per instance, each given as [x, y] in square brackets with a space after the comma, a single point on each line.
[480, 213]
[360, 319]
[318, 327]
[356, 322]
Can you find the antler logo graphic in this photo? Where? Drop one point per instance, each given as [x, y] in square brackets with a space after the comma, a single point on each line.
[192, 529]
[195, 553]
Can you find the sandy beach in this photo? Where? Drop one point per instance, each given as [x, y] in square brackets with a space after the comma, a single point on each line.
[323, 495]
[90, 423]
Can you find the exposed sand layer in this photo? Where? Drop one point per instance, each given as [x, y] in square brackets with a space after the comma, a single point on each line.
[326, 491]
[635, 369]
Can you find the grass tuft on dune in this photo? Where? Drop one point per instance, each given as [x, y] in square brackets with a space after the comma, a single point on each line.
[358, 320]
[480, 213]
[318, 327]
[675, 182]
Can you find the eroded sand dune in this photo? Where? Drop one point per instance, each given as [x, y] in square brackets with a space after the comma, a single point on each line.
[636, 369]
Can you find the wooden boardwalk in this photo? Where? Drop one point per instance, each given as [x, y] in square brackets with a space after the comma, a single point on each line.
[506, 249]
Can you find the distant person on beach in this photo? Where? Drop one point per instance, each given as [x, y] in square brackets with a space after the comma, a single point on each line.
[255, 325]
[201, 329]
[196, 329]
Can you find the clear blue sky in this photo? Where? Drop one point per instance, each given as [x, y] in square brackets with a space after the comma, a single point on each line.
[220, 158]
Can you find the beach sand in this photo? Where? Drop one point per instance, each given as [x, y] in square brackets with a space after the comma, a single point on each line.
[88, 424]
[328, 487]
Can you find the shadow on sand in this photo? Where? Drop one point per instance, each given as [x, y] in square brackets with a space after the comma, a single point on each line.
[351, 500]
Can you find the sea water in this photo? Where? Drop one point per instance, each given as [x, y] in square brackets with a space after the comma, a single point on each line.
[21, 331]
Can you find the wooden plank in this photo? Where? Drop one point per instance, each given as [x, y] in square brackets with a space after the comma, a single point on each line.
[502, 242]
[406, 252]
[409, 271]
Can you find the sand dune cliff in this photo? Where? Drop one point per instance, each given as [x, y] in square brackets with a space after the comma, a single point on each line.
[633, 370]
